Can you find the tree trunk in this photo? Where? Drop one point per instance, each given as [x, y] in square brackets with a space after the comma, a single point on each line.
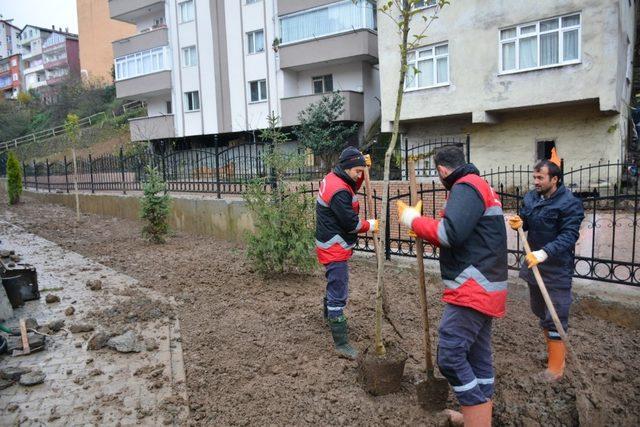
[75, 183]
[380, 350]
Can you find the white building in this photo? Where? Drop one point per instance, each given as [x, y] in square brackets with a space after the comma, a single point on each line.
[8, 39]
[209, 67]
[520, 77]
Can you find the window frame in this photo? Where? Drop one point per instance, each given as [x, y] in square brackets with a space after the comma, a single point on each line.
[560, 30]
[186, 100]
[427, 5]
[323, 79]
[193, 11]
[184, 56]
[248, 2]
[251, 35]
[121, 64]
[435, 65]
[260, 94]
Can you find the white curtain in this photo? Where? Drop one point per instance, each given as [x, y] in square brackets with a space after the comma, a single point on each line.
[442, 70]
[425, 78]
[259, 41]
[528, 52]
[549, 48]
[570, 45]
[508, 56]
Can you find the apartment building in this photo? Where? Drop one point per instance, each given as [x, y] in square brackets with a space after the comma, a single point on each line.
[48, 57]
[96, 31]
[8, 38]
[520, 79]
[10, 76]
[209, 67]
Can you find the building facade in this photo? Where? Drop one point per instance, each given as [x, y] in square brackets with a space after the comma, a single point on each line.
[96, 31]
[8, 39]
[221, 67]
[10, 76]
[48, 57]
[520, 79]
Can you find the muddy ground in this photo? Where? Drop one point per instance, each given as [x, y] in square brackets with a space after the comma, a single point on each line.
[257, 352]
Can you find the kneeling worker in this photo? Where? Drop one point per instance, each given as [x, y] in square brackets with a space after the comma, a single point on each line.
[337, 228]
[473, 262]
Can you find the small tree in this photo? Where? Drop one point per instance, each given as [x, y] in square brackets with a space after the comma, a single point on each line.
[154, 207]
[320, 131]
[72, 129]
[283, 218]
[14, 178]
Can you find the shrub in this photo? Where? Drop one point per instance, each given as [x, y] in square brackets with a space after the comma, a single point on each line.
[14, 178]
[283, 218]
[154, 207]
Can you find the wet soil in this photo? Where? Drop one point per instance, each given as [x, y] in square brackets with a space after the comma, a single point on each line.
[258, 352]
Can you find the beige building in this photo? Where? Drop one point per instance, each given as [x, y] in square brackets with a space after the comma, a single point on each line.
[519, 79]
[96, 31]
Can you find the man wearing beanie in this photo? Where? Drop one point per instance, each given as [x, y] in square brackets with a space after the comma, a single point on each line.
[337, 228]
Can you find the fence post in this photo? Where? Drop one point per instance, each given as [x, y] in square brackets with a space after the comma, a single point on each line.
[124, 188]
[48, 176]
[66, 174]
[215, 140]
[468, 148]
[91, 173]
[35, 174]
[24, 174]
[406, 158]
[387, 231]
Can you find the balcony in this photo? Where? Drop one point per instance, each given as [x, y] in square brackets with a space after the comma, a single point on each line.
[353, 107]
[52, 80]
[56, 63]
[35, 85]
[131, 10]
[150, 128]
[33, 69]
[139, 42]
[144, 86]
[361, 45]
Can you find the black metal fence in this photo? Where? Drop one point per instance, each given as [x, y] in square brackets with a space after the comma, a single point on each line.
[606, 250]
[422, 153]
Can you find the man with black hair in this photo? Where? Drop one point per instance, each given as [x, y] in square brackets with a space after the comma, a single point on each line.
[552, 215]
[473, 261]
[337, 228]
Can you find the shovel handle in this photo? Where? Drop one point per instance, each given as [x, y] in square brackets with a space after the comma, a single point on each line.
[543, 291]
[25, 337]
[413, 185]
[367, 187]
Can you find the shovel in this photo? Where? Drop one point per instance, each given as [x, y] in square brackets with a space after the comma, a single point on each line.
[432, 392]
[588, 415]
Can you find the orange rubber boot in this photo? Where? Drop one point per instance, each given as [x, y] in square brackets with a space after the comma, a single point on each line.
[477, 415]
[556, 362]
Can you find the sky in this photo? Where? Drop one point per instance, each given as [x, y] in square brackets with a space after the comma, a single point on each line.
[42, 13]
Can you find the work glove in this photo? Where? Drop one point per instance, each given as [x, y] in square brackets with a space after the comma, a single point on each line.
[367, 160]
[373, 225]
[515, 222]
[535, 258]
[412, 234]
[407, 213]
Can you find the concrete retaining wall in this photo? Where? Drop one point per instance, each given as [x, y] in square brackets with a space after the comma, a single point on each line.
[224, 219]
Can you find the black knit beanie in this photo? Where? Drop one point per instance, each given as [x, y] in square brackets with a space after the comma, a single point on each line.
[350, 158]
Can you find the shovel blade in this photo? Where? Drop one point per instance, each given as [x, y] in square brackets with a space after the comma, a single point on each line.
[433, 393]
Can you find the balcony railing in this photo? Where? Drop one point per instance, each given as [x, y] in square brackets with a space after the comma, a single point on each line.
[326, 20]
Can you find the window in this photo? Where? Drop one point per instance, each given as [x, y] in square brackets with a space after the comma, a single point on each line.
[189, 56]
[543, 149]
[186, 11]
[540, 44]
[322, 84]
[169, 111]
[330, 19]
[158, 22]
[424, 3]
[428, 67]
[258, 90]
[192, 101]
[15, 77]
[14, 62]
[255, 41]
[252, 1]
[141, 63]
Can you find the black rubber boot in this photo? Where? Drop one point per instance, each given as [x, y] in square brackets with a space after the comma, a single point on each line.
[339, 331]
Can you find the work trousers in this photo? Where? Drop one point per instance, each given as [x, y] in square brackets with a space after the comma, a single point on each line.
[561, 299]
[464, 354]
[337, 274]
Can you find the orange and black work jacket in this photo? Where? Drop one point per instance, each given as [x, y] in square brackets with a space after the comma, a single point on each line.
[473, 243]
[337, 221]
